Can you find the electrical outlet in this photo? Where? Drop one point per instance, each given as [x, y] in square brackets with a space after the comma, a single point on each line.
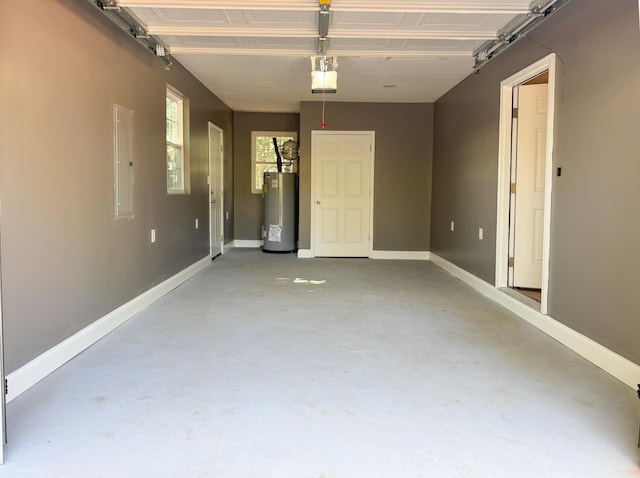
[197, 223]
[480, 233]
[453, 226]
[153, 236]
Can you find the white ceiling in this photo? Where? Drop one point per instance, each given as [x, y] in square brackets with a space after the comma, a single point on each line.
[254, 54]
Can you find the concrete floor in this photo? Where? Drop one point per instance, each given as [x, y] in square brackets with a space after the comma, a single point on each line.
[269, 366]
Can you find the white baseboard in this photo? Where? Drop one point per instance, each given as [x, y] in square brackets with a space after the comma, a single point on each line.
[247, 243]
[227, 247]
[397, 255]
[38, 368]
[401, 255]
[623, 369]
[34, 371]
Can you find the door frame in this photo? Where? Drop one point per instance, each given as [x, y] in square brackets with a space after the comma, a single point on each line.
[314, 135]
[548, 63]
[220, 134]
[3, 396]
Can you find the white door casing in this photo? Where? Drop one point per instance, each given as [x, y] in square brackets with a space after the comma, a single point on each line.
[216, 190]
[530, 165]
[342, 193]
[548, 63]
[3, 397]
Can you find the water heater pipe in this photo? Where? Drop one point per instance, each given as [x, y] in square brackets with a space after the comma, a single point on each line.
[278, 158]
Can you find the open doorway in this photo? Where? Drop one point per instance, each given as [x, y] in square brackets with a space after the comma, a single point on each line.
[525, 180]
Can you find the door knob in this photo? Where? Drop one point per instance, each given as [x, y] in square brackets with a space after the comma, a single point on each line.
[317, 202]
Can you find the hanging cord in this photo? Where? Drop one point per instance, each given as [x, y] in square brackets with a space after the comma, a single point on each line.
[323, 125]
[323, 68]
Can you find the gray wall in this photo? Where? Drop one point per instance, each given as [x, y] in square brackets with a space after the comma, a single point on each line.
[249, 207]
[65, 261]
[595, 227]
[402, 184]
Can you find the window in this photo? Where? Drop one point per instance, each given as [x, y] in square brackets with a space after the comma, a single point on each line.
[263, 155]
[177, 147]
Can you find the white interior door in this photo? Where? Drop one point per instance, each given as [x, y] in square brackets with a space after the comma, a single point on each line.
[3, 403]
[530, 186]
[342, 193]
[216, 196]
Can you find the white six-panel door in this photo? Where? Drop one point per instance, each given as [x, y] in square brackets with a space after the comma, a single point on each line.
[342, 165]
[530, 185]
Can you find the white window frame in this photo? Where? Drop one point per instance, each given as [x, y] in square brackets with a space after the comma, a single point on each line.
[254, 162]
[183, 140]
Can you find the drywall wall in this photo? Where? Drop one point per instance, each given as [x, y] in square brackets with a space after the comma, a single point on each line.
[594, 231]
[65, 261]
[402, 182]
[249, 206]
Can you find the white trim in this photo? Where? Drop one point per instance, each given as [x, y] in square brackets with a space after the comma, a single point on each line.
[244, 243]
[3, 398]
[228, 246]
[609, 361]
[392, 255]
[314, 134]
[38, 368]
[548, 63]
[401, 255]
[372, 185]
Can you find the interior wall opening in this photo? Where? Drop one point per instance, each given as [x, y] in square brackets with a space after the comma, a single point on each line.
[527, 118]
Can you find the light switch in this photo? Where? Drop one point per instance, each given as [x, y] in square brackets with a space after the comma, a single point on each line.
[153, 236]
[453, 226]
[197, 223]
[480, 233]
